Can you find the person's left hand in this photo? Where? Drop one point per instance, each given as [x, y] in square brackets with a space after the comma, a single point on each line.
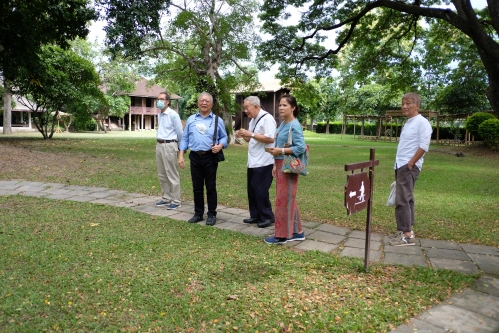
[216, 148]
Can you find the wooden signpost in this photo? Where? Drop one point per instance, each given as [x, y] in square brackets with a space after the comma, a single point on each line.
[358, 194]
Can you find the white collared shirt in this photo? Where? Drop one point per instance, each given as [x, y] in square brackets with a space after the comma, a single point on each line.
[416, 133]
[257, 156]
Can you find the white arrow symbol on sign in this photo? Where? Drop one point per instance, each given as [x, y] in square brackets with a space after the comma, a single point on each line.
[351, 194]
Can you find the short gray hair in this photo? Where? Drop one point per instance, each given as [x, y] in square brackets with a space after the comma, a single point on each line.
[254, 100]
[206, 94]
[415, 97]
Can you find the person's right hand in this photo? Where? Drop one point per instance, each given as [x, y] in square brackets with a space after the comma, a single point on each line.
[180, 161]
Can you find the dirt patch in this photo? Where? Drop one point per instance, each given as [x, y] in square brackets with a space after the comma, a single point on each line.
[22, 161]
[476, 149]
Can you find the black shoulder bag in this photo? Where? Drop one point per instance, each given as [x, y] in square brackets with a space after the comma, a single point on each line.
[219, 157]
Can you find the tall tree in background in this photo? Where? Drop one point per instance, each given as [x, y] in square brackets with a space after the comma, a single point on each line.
[203, 43]
[299, 47]
[27, 25]
[65, 82]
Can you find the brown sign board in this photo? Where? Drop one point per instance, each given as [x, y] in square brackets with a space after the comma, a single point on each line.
[357, 192]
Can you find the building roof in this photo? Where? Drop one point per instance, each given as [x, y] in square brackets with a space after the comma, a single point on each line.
[143, 89]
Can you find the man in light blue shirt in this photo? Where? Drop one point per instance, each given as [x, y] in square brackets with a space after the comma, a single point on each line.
[167, 145]
[198, 136]
[413, 144]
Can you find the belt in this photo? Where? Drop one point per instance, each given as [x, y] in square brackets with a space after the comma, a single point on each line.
[202, 152]
[165, 141]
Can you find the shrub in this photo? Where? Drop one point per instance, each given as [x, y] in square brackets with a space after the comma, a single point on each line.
[488, 130]
[85, 124]
[475, 120]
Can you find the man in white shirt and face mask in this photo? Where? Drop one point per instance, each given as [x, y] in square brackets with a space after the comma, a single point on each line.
[168, 138]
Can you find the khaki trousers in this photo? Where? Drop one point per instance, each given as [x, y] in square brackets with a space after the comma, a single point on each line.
[168, 172]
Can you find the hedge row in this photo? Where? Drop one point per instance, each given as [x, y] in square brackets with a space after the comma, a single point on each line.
[445, 133]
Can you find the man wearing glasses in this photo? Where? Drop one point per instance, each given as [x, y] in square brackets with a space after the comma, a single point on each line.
[198, 137]
[168, 137]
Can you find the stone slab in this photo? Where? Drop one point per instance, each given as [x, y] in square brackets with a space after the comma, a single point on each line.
[31, 184]
[99, 194]
[416, 250]
[486, 263]
[5, 192]
[224, 216]
[360, 253]
[477, 302]
[311, 245]
[439, 244]
[360, 243]
[487, 285]
[458, 320]
[326, 237]
[181, 216]
[333, 229]
[259, 232]
[233, 226]
[310, 224]
[234, 211]
[63, 196]
[447, 254]
[80, 198]
[34, 194]
[9, 184]
[466, 267]
[479, 249]
[405, 259]
[362, 235]
[417, 326]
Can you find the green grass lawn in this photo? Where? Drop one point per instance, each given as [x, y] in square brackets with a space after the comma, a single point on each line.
[80, 267]
[456, 197]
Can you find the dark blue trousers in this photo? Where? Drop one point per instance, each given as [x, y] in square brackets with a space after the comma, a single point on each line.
[204, 174]
[259, 181]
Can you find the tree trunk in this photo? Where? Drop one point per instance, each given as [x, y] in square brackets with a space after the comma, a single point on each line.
[312, 123]
[7, 107]
[327, 131]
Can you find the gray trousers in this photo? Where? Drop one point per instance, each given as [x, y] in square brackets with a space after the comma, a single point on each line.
[405, 202]
[168, 172]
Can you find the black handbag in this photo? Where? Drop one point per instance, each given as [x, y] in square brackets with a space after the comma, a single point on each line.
[219, 157]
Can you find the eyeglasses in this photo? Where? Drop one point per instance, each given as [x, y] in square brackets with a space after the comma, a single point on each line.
[163, 99]
[204, 101]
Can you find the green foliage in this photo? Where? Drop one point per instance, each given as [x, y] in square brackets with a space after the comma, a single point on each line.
[27, 25]
[64, 82]
[384, 42]
[85, 124]
[205, 48]
[475, 120]
[488, 130]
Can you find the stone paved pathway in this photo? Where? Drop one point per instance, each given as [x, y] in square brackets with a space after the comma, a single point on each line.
[474, 310]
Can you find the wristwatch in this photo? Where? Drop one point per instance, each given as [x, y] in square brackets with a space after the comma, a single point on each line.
[253, 135]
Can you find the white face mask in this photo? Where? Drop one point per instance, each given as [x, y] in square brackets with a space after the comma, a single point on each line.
[201, 128]
[160, 104]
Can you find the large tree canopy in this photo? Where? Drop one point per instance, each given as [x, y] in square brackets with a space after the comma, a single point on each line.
[25, 26]
[64, 82]
[203, 43]
[299, 46]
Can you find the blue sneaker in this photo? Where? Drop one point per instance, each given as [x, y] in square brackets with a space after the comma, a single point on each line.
[161, 203]
[297, 237]
[173, 206]
[275, 240]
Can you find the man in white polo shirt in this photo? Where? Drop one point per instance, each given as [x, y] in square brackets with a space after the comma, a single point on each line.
[261, 133]
[413, 144]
